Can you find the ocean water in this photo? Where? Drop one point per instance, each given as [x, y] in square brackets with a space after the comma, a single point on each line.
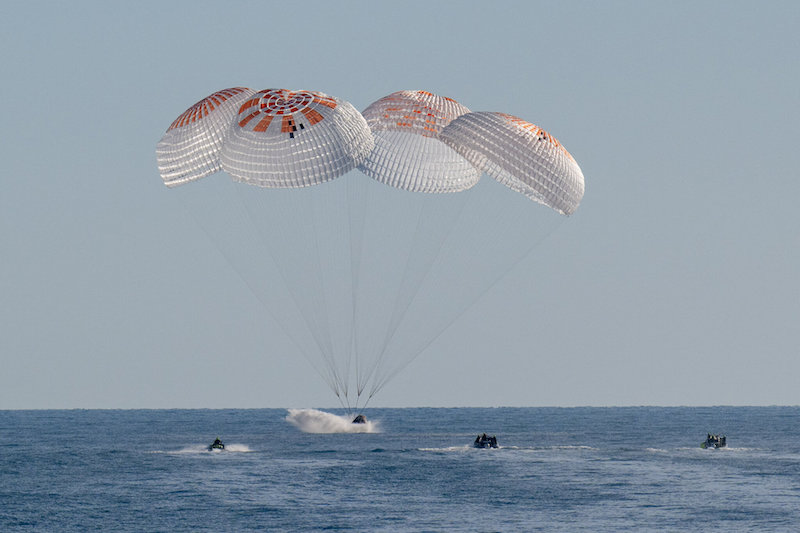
[557, 469]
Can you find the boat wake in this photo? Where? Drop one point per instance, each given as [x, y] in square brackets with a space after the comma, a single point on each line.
[315, 421]
[463, 448]
[203, 449]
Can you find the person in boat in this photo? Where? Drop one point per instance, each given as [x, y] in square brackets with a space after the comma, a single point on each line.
[485, 441]
[714, 441]
[217, 445]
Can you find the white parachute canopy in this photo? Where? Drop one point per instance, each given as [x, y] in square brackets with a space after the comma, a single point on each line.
[287, 138]
[362, 276]
[408, 154]
[520, 155]
[190, 148]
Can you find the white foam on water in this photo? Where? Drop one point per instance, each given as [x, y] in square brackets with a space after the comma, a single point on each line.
[203, 449]
[237, 448]
[656, 450]
[315, 421]
[462, 448]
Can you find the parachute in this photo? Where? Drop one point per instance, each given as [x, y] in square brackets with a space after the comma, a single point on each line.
[520, 155]
[364, 273]
[190, 148]
[408, 153]
[294, 139]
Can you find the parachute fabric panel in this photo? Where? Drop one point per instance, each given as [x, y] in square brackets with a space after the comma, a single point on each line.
[290, 139]
[189, 150]
[520, 155]
[419, 112]
[408, 154]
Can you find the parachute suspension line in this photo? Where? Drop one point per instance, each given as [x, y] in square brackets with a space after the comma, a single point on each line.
[356, 222]
[369, 397]
[348, 348]
[518, 258]
[356, 199]
[376, 363]
[329, 375]
[318, 294]
[322, 303]
[345, 406]
[217, 241]
[293, 210]
[394, 320]
[345, 403]
[428, 261]
[249, 285]
[344, 239]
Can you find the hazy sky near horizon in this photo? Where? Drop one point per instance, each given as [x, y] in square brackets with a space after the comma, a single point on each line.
[675, 283]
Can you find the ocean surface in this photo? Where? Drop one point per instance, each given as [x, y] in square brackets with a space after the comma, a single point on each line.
[557, 469]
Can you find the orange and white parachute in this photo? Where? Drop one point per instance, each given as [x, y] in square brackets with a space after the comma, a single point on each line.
[520, 155]
[190, 148]
[412, 140]
[294, 139]
[271, 138]
[408, 153]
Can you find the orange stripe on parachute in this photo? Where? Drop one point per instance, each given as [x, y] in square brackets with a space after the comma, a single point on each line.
[205, 106]
[263, 124]
[248, 118]
[312, 115]
[248, 104]
[537, 131]
[327, 102]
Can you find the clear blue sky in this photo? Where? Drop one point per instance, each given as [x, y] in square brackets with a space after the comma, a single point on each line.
[675, 283]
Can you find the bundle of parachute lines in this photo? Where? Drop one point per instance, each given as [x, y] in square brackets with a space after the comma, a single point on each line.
[411, 140]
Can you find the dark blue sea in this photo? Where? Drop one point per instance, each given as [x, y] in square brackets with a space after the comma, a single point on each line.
[557, 469]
